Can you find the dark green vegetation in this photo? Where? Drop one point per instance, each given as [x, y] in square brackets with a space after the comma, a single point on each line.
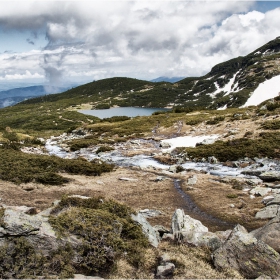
[104, 230]
[20, 260]
[267, 145]
[19, 167]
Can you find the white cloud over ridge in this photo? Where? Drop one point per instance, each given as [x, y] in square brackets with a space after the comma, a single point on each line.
[90, 40]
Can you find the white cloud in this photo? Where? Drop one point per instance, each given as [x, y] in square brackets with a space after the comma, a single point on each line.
[142, 39]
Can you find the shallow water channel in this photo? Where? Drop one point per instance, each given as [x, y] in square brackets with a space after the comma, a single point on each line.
[144, 161]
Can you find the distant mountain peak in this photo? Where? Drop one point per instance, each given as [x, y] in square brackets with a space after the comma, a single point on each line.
[167, 79]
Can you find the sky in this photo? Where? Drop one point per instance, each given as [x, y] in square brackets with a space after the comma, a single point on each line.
[74, 42]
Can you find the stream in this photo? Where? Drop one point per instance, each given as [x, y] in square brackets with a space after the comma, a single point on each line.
[147, 161]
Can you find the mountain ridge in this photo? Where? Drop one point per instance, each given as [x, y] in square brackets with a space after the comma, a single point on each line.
[228, 84]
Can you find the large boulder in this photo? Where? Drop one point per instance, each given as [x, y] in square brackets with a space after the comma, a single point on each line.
[244, 253]
[148, 230]
[186, 229]
[270, 233]
[35, 228]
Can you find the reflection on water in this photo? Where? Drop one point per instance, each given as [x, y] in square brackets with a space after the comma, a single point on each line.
[122, 111]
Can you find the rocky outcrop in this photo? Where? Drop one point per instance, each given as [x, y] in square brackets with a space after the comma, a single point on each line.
[186, 229]
[270, 176]
[35, 228]
[166, 268]
[270, 233]
[148, 230]
[248, 255]
[268, 212]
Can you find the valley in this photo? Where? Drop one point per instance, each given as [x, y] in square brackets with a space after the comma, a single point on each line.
[89, 193]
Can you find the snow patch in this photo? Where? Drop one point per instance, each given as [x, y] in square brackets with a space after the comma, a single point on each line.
[227, 88]
[266, 90]
[187, 141]
[222, 108]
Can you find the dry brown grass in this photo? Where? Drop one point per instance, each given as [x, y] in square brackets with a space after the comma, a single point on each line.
[190, 263]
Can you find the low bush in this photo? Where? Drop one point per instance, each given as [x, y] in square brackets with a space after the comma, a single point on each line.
[273, 125]
[216, 120]
[103, 149]
[105, 229]
[19, 167]
[267, 145]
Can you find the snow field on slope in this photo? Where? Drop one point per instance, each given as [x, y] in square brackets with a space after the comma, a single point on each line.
[266, 90]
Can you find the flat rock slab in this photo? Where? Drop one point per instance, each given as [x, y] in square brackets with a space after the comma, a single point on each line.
[260, 191]
[268, 212]
[270, 176]
[269, 233]
[128, 179]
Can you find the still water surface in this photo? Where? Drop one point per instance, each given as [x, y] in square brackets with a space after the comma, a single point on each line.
[122, 111]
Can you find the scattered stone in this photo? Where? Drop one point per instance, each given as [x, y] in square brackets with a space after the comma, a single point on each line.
[267, 199]
[165, 271]
[247, 255]
[212, 160]
[148, 213]
[275, 200]
[261, 191]
[192, 180]
[267, 212]
[270, 233]
[208, 141]
[164, 145]
[270, 176]
[253, 182]
[128, 179]
[173, 168]
[159, 178]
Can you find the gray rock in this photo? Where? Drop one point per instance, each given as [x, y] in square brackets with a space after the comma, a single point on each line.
[261, 191]
[268, 212]
[275, 200]
[212, 160]
[208, 141]
[165, 271]
[164, 145]
[148, 213]
[270, 233]
[253, 182]
[192, 180]
[17, 223]
[270, 176]
[186, 229]
[128, 179]
[159, 178]
[244, 253]
[147, 229]
[267, 199]
[173, 168]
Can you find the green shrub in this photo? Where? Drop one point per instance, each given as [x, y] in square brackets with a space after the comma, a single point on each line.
[216, 120]
[232, 195]
[103, 149]
[273, 125]
[265, 146]
[19, 167]
[103, 106]
[105, 229]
